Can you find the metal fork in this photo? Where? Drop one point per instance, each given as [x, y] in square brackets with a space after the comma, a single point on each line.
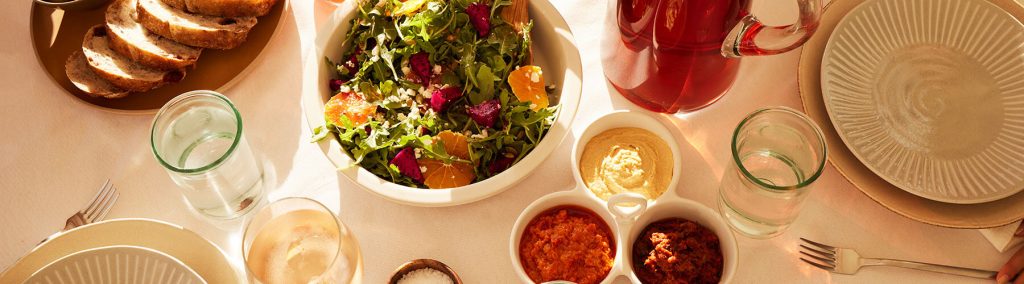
[96, 211]
[847, 261]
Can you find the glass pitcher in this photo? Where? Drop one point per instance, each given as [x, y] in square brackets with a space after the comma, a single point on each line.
[682, 55]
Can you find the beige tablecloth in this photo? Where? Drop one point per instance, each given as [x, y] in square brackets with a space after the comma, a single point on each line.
[55, 152]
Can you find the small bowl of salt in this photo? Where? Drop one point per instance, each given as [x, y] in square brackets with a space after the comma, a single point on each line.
[424, 271]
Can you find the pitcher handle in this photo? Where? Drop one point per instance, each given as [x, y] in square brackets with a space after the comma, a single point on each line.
[751, 37]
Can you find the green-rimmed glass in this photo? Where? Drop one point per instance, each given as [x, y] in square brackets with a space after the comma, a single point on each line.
[197, 137]
[777, 154]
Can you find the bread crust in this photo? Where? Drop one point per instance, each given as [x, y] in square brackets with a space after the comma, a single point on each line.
[224, 8]
[95, 54]
[203, 31]
[127, 47]
[81, 75]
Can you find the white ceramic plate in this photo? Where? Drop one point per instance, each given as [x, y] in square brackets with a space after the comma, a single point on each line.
[116, 264]
[929, 95]
[179, 243]
[553, 49]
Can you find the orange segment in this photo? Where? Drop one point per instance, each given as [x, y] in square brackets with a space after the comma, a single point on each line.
[527, 84]
[439, 174]
[454, 143]
[351, 105]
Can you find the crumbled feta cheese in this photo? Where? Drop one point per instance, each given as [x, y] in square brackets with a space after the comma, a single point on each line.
[345, 89]
[437, 68]
[425, 93]
[414, 113]
[406, 69]
[434, 6]
[423, 169]
[533, 106]
[419, 152]
[483, 134]
[535, 77]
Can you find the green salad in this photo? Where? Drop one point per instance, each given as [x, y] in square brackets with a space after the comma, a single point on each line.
[437, 94]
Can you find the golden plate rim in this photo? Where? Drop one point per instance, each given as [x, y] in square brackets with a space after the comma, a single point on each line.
[960, 216]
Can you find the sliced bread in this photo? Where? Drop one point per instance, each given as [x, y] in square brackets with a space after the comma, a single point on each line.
[82, 76]
[224, 8]
[130, 39]
[119, 69]
[193, 29]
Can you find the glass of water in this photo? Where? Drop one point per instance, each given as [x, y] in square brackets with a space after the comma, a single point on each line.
[777, 154]
[299, 240]
[198, 138]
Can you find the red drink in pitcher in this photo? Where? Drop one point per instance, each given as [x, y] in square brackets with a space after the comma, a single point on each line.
[682, 55]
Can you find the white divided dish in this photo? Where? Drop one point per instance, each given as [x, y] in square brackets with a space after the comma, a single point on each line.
[116, 264]
[627, 214]
[554, 51]
[929, 95]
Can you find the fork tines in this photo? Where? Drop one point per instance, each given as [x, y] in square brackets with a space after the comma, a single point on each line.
[101, 204]
[821, 255]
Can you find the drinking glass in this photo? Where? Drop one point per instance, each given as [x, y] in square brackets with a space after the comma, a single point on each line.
[198, 138]
[777, 154]
[299, 240]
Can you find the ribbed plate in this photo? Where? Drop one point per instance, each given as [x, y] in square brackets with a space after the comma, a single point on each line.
[929, 94]
[116, 264]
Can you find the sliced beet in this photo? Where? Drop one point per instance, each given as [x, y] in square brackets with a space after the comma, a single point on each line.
[441, 98]
[480, 17]
[485, 113]
[405, 160]
[335, 84]
[500, 165]
[420, 64]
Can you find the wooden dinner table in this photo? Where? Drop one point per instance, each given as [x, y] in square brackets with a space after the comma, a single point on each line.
[56, 151]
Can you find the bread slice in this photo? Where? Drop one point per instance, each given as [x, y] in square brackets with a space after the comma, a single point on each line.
[130, 39]
[194, 29]
[119, 69]
[224, 8]
[82, 76]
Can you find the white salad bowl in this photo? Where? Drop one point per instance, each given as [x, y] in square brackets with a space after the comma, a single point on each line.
[554, 50]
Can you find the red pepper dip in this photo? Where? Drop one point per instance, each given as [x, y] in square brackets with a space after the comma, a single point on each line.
[677, 250]
[567, 243]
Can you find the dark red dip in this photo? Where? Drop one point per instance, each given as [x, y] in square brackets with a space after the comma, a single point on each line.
[677, 250]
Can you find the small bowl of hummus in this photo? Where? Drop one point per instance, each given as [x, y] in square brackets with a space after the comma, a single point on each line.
[627, 152]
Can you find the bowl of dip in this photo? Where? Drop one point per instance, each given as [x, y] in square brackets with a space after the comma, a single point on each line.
[627, 151]
[710, 254]
[586, 248]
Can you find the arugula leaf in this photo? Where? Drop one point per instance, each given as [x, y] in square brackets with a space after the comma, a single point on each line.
[485, 84]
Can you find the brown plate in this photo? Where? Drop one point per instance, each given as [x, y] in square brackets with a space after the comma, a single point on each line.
[57, 33]
[966, 216]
